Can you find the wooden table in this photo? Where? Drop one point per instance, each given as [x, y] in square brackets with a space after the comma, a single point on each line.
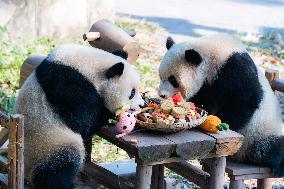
[156, 150]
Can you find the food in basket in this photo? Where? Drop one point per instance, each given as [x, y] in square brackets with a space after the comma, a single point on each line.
[178, 98]
[179, 112]
[168, 111]
[167, 106]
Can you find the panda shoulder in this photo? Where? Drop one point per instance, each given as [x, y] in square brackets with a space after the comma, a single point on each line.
[226, 41]
[74, 52]
[59, 52]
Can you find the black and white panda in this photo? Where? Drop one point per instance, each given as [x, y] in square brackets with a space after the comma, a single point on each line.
[70, 95]
[217, 72]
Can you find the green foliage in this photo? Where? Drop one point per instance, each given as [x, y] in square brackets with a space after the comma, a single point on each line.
[7, 99]
[281, 54]
[112, 121]
[104, 151]
[13, 52]
[266, 43]
[2, 29]
[143, 67]
[184, 183]
[127, 24]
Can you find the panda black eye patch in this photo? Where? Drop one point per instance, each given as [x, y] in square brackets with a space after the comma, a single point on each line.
[173, 81]
[132, 94]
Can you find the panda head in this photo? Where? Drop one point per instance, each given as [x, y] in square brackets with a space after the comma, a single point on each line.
[115, 80]
[121, 86]
[187, 66]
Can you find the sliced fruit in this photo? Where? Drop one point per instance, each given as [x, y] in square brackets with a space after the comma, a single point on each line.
[178, 112]
[167, 106]
[178, 98]
[184, 105]
[191, 112]
[170, 119]
[192, 106]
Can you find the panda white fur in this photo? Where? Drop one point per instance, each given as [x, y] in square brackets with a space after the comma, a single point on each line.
[217, 72]
[71, 94]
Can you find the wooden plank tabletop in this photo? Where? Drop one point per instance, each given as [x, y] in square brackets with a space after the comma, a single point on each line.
[189, 144]
[227, 142]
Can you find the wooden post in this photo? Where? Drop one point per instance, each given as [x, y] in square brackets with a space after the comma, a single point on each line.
[29, 66]
[20, 151]
[264, 183]
[12, 154]
[158, 177]
[273, 78]
[143, 176]
[16, 152]
[271, 75]
[109, 37]
[236, 184]
[216, 168]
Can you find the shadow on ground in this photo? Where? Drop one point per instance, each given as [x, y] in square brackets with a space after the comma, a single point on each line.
[179, 26]
[261, 2]
[186, 27]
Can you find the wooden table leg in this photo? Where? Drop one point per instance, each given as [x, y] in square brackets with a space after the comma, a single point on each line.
[158, 177]
[143, 176]
[237, 184]
[264, 183]
[216, 168]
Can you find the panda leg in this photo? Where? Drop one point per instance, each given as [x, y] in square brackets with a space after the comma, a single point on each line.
[268, 151]
[58, 172]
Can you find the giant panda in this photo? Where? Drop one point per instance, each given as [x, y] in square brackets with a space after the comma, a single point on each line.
[217, 72]
[65, 100]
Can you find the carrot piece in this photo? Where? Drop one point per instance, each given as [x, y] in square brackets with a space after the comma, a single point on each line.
[210, 124]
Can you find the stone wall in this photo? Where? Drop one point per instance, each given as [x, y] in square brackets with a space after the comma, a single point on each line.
[55, 18]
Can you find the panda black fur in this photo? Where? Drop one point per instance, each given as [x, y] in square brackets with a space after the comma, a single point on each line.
[217, 72]
[65, 100]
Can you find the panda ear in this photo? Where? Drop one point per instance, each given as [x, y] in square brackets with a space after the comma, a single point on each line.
[170, 42]
[120, 52]
[115, 70]
[192, 56]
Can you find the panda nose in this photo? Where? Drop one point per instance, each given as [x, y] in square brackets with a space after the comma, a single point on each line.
[143, 106]
[163, 96]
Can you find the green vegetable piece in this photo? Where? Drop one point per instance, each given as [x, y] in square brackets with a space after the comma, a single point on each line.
[226, 126]
[220, 127]
[223, 127]
[112, 121]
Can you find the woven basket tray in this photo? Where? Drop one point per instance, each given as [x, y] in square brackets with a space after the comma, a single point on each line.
[176, 126]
